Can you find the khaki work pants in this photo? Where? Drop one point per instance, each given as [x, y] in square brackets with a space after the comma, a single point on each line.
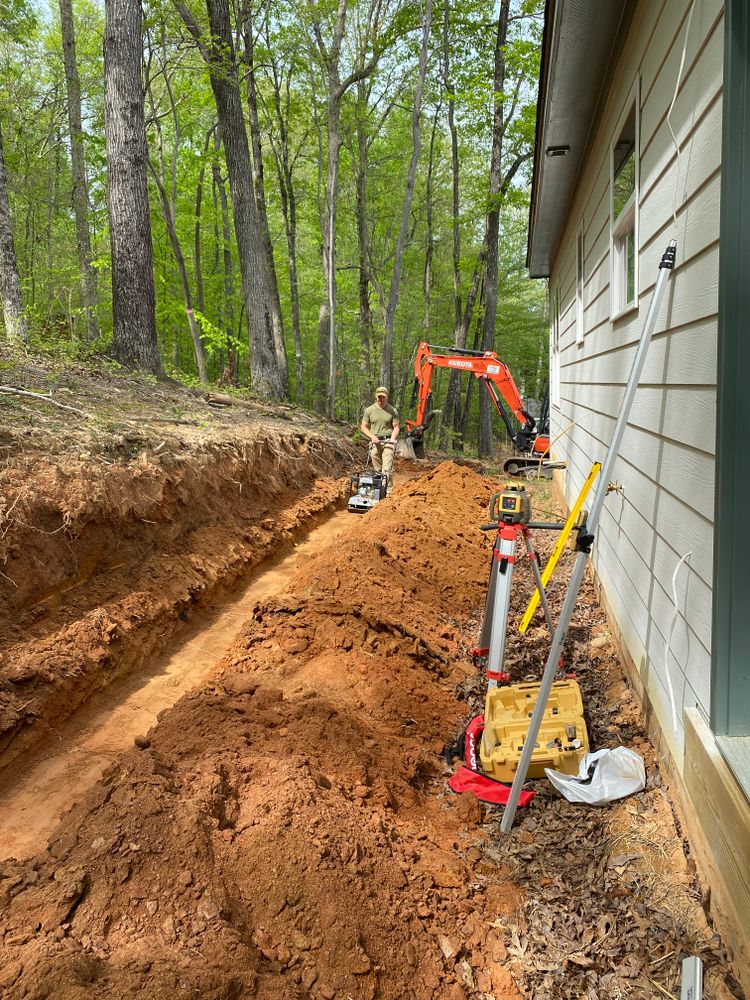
[382, 457]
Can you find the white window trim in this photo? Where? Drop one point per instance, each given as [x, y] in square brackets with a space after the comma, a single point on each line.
[580, 283]
[629, 216]
[554, 353]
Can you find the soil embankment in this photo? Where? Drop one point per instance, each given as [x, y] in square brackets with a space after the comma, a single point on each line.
[103, 562]
[62, 769]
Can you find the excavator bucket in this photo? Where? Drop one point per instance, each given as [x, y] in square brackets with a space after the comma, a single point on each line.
[405, 448]
[411, 445]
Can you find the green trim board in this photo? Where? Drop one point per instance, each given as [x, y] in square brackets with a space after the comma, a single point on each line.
[730, 675]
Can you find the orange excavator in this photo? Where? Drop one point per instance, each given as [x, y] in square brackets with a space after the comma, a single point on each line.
[495, 376]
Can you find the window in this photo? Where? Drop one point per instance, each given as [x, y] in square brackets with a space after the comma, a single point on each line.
[624, 224]
[554, 352]
[579, 287]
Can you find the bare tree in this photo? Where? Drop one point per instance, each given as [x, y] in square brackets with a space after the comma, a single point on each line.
[80, 197]
[133, 296]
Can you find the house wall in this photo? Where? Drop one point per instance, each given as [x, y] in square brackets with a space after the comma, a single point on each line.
[666, 463]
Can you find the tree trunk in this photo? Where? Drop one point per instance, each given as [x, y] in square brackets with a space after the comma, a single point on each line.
[363, 246]
[390, 316]
[168, 202]
[451, 407]
[169, 220]
[260, 196]
[53, 173]
[462, 418]
[219, 53]
[133, 297]
[485, 442]
[430, 247]
[284, 171]
[16, 329]
[455, 188]
[325, 392]
[80, 196]
[451, 415]
[326, 366]
[198, 211]
[227, 268]
[256, 286]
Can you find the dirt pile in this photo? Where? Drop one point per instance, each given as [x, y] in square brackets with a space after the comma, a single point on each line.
[286, 832]
[101, 560]
[274, 835]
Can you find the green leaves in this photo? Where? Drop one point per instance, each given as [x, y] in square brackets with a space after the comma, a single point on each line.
[33, 115]
[17, 19]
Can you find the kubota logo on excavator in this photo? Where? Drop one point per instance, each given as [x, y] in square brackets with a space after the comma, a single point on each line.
[493, 369]
[452, 363]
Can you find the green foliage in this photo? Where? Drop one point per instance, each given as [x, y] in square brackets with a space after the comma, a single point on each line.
[34, 122]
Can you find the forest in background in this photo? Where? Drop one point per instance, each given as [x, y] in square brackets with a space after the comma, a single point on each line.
[285, 195]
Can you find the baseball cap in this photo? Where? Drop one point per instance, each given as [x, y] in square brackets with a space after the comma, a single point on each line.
[381, 391]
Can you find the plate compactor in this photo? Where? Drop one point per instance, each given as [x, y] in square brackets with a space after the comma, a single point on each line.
[367, 488]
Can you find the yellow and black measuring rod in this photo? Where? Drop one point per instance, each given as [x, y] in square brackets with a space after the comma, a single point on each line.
[568, 527]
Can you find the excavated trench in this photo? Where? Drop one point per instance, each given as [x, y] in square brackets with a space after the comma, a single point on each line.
[103, 564]
[58, 772]
[276, 825]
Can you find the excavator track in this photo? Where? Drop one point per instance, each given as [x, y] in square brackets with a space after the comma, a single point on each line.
[519, 465]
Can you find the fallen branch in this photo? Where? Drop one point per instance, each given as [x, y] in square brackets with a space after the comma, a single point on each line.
[164, 420]
[219, 399]
[42, 398]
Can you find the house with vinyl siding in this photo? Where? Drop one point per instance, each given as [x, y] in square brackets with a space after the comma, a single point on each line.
[643, 136]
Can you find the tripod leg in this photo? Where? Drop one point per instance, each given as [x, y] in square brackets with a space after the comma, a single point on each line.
[489, 607]
[505, 557]
[538, 578]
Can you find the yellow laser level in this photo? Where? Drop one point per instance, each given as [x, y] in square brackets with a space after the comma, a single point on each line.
[512, 506]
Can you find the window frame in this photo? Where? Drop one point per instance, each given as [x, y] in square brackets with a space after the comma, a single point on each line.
[628, 219]
[554, 336]
[580, 282]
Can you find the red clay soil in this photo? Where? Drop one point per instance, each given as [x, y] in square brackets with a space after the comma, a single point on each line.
[277, 834]
[100, 561]
[285, 831]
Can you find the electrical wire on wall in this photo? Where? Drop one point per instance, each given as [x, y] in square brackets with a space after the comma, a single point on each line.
[676, 613]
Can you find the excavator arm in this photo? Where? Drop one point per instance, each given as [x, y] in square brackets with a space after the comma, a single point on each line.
[497, 379]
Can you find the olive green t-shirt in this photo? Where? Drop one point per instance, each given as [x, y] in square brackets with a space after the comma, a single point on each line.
[380, 419]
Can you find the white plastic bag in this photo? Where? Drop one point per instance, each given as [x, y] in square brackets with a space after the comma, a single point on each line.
[602, 777]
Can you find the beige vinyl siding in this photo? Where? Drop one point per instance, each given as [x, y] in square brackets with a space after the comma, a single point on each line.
[666, 463]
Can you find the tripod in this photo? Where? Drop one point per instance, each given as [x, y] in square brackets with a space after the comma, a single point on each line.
[510, 513]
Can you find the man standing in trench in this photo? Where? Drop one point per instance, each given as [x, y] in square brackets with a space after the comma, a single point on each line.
[381, 425]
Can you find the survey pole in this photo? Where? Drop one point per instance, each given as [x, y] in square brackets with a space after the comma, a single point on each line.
[585, 541]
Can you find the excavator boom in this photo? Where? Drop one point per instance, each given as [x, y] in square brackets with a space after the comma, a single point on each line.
[493, 373]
